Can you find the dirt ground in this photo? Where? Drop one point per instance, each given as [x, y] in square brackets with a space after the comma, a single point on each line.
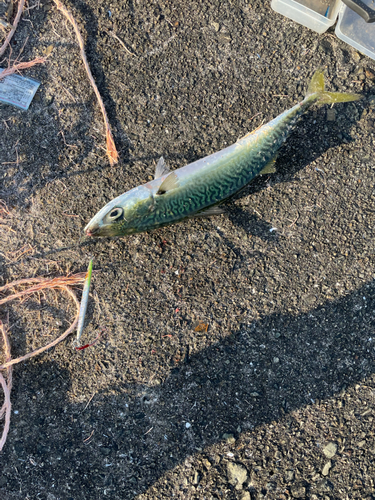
[275, 399]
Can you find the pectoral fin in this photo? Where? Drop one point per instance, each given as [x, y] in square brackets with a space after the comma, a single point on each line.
[161, 168]
[269, 168]
[169, 183]
[209, 211]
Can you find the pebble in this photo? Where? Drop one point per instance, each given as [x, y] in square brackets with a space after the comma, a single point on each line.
[206, 463]
[331, 115]
[330, 450]
[289, 476]
[187, 425]
[229, 438]
[245, 495]
[237, 475]
[298, 492]
[327, 468]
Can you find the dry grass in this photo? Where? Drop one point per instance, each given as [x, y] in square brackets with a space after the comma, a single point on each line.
[41, 284]
[14, 27]
[5, 216]
[111, 147]
[38, 284]
[21, 65]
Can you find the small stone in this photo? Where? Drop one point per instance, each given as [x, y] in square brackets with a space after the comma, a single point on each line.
[330, 450]
[289, 476]
[229, 438]
[298, 491]
[196, 478]
[187, 425]
[216, 26]
[276, 360]
[237, 475]
[245, 495]
[327, 468]
[369, 74]
[324, 486]
[361, 443]
[356, 56]
[206, 463]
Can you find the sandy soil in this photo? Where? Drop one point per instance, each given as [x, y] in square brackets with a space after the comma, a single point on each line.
[276, 399]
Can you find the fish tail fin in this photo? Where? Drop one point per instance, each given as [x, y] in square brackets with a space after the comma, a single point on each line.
[316, 88]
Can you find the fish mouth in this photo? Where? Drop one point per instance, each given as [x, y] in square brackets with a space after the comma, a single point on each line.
[92, 230]
[96, 231]
[90, 233]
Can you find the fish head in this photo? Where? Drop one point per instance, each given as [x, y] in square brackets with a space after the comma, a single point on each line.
[122, 215]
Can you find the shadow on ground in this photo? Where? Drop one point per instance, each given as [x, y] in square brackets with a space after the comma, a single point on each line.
[255, 376]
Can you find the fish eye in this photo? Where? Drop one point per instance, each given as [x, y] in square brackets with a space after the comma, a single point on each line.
[115, 213]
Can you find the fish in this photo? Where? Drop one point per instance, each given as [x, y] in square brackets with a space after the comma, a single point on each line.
[198, 189]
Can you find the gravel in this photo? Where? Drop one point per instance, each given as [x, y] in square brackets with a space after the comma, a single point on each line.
[284, 280]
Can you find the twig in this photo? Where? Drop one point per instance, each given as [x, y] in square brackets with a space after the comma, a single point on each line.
[21, 65]
[14, 27]
[121, 43]
[89, 401]
[111, 147]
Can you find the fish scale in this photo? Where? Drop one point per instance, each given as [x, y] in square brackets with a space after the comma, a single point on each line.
[195, 189]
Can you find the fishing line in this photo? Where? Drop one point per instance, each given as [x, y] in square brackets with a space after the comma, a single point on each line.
[42, 255]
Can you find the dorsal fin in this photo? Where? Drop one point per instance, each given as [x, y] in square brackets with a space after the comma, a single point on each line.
[161, 168]
[169, 183]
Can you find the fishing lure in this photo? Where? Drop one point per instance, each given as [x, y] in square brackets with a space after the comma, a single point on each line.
[84, 302]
